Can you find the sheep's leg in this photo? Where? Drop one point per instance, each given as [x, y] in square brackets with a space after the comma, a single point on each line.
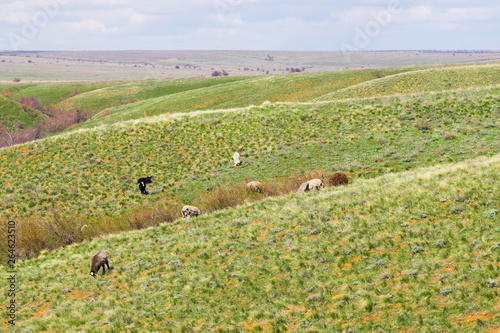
[107, 264]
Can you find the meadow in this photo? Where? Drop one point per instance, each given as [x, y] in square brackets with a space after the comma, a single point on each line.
[95, 96]
[116, 101]
[410, 244]
[92, 173]
[411, 251]
[426, 80]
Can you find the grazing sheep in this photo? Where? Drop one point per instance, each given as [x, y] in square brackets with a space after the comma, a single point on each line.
[142, 184]
[97, 261]
[254, 187]
[236, 158]
[338, 179]
[312, 185]
[190, 211]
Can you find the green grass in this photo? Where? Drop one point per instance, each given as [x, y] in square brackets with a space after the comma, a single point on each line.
[95, 171]
[137, 99]
[391, 253]
[425, 80]
[411, 244]
[276, 88]
[131, 92]
[120, 100]
[14, 115]
[53, 94]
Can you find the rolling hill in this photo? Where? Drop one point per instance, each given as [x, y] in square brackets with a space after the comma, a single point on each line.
[423, 80]
[411, 251]
[410, 244]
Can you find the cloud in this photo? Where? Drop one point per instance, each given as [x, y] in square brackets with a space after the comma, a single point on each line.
[251, 24]
[471, 14]
[90, 26]
[420, 13]
[136, 18]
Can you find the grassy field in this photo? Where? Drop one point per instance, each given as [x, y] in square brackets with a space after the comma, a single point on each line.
[408, 252]
[121, 100]
[98, 96]
[276, 88]
[94, 171]
[426, 80]
[410, 244]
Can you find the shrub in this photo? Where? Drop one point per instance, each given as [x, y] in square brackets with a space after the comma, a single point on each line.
[57, 123]
[31, 102]
[17, 79]
[66, 119]
[338, 179]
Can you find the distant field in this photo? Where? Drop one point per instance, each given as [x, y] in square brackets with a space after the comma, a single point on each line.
[53, 66]
[436, 79]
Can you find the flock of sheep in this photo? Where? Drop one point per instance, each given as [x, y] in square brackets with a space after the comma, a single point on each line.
[100, 259]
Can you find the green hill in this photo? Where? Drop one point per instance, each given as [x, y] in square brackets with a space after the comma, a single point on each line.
[14, 115]
[185, 154]
[425, 80]
[411, 244]
[406, 252]
[89, 176]
[300, 87]
[120, 100]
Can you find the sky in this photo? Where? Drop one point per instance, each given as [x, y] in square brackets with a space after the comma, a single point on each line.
[301, 25]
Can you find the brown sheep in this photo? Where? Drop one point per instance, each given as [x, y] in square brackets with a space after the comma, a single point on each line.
[338, 179]
[97, 261]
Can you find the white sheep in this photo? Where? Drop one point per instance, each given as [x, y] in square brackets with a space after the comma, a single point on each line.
[190, 211]
[312, 185]
[236, 158]
[254, 187]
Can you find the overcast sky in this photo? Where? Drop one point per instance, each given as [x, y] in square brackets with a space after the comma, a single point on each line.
[309, 25]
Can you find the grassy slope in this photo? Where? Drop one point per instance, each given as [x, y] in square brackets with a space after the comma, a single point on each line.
[254, 91]
[93, 95]
[100, 95]
[53, 94]
[435, 79]
[13, 115]
[127, 92]
[180, 95]
[95, 171]
[402, 252]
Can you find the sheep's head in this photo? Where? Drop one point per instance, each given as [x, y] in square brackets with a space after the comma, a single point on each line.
[92, 273]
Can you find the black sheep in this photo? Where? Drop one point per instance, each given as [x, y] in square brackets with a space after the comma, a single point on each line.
[142, 184]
